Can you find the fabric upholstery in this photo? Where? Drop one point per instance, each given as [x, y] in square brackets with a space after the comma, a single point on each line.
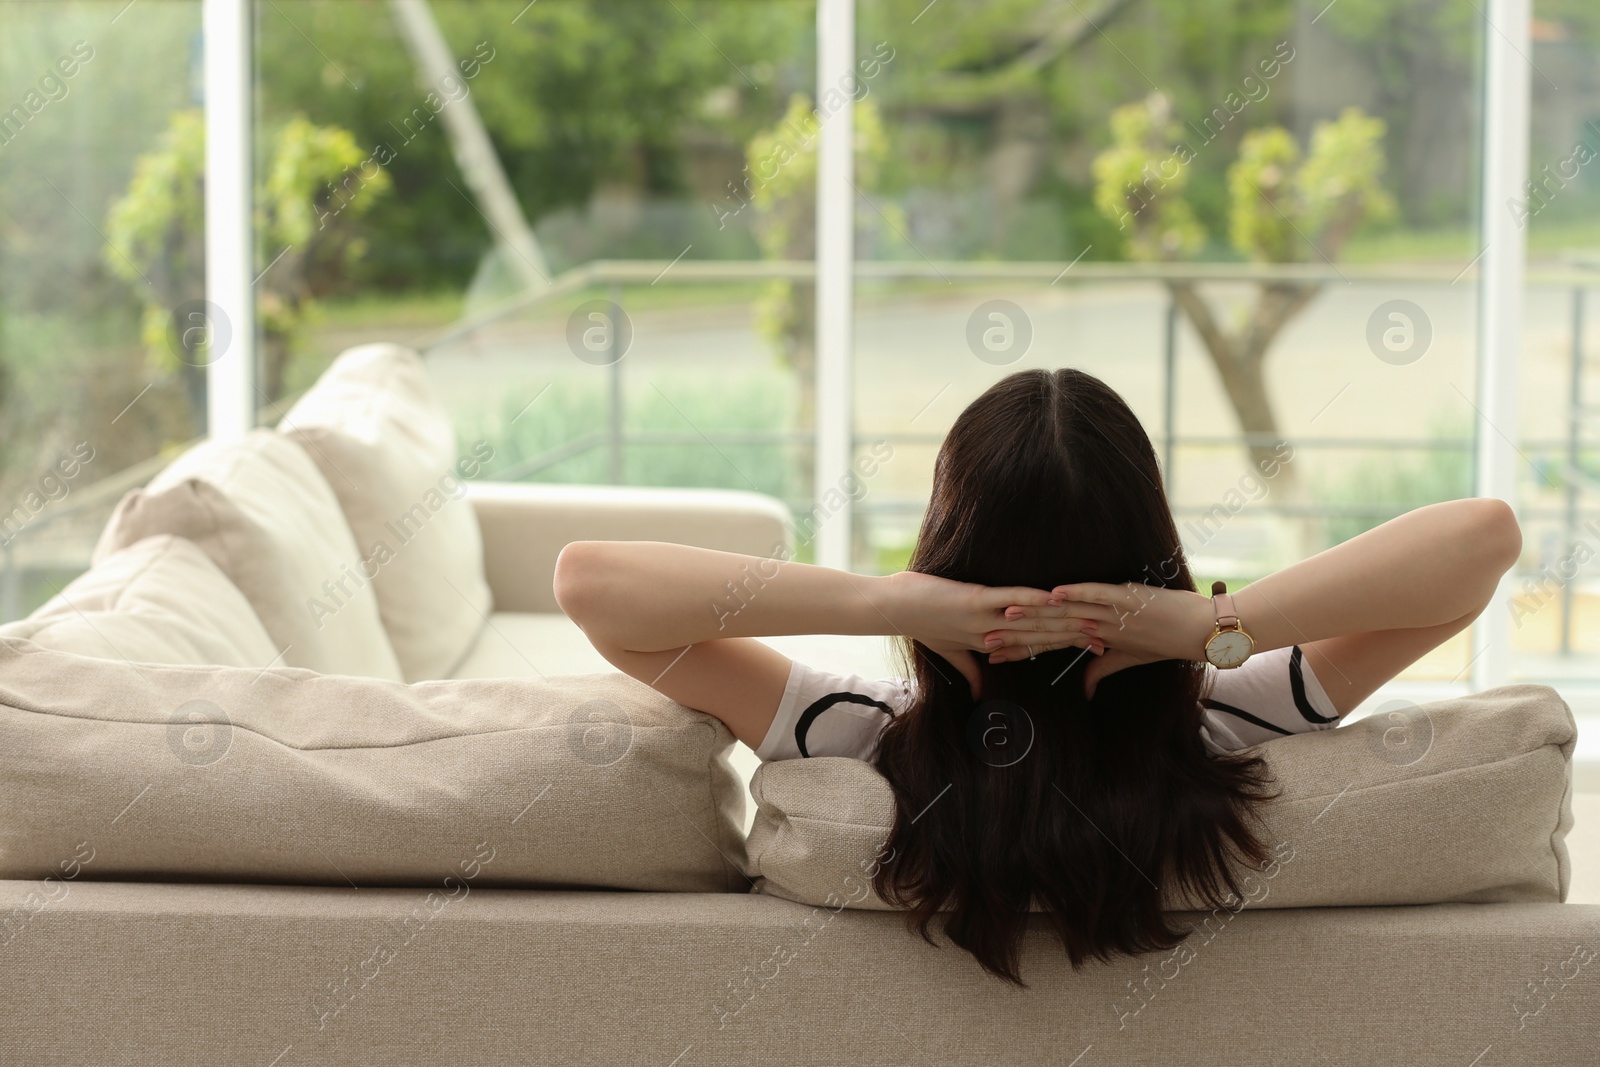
[285, 775]
[160, 600]
[265, 516]
[526, 526]
[406, 977]
[533, 644]
[1459, 800]
[522, 645]
[386, 447]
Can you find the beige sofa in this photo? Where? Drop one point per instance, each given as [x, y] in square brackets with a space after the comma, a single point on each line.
[181, 971]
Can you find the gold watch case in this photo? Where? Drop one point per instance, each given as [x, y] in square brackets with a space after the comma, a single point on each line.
[1227, 649]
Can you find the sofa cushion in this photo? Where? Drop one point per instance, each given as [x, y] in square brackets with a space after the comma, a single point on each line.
[286, 775]
[160, 600]
[1463, 800]
[383, 443]
[265, 516]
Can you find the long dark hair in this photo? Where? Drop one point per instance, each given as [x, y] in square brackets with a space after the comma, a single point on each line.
[1036, 795]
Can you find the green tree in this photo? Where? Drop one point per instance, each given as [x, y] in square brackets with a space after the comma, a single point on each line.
[577, 96]
[318, 182]
[1012, 102]
[1282, 208]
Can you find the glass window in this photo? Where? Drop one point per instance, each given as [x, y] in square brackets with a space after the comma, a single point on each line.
[1556, 613]
[588, 294]
[103, 224]
[1256, 222]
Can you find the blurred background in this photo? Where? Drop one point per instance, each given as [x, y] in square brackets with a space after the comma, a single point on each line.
[1258, 220]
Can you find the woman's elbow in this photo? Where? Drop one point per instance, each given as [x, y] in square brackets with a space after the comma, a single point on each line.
[574, 583]
[1496, 532]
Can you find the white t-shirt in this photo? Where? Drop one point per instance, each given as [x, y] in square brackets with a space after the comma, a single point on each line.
[1272, 695]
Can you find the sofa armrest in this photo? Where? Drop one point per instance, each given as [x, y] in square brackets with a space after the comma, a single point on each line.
[525, 526]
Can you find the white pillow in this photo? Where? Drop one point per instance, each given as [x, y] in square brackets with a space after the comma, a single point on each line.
[264, 515]
[387, 449]
[1467, 799]
[161, 600]
[293, 777]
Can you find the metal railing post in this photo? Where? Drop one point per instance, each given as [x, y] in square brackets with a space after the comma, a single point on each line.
[1169, 410]
[614, 443]
[1574, 432]
[10, 588]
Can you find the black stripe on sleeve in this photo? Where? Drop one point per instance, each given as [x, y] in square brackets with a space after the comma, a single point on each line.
[1246, 716]
[803, 725]
[1297, 683]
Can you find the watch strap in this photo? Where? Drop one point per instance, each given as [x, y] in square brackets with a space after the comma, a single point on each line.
[1222, 601]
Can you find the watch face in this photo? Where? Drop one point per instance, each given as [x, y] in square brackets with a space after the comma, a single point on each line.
[1229, 648]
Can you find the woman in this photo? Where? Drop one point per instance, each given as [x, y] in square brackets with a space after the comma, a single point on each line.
[1062, 740]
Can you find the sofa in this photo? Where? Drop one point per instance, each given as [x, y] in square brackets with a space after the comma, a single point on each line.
[658, 898]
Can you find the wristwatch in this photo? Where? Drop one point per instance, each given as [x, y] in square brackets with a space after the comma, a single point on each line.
[1229, 646]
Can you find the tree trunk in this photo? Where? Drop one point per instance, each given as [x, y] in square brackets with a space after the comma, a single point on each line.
[194, 391]
[274, 363]
[800, 352]
[1240, 359]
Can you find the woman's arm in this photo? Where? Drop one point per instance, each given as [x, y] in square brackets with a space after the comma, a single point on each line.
[650, 596]
[1362, 610]
[1366, 609]
[682, 619]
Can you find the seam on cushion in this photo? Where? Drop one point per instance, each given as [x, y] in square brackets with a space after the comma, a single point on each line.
[711, 796]
[816, 817]
[818, 820]
[1442, 775]
[736, 872]
[722, 844]
[304, 748]
[202, 498]
[1563, 806]
[1437, 774]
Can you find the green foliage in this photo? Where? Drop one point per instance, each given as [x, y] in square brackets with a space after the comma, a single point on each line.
[156, 229]
[579, 96]
[161, 204]
[69, 355]
[1340, 185]
[1261, 189]
[1453, 29]
[782, 163]
[1277, 203]
[1140, 179]
[307, 160]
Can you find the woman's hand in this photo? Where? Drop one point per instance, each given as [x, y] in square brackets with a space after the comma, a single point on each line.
[954, 619]
[1137, 623]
